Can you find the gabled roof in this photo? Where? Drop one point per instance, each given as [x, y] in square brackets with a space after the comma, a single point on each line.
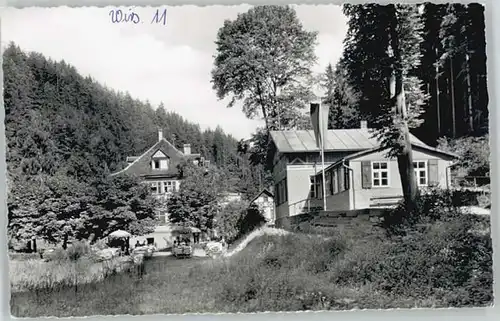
[264, 191]
[356, 139]
[141, 165]
[377, 149]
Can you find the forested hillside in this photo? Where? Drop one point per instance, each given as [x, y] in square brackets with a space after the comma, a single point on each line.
[66, 133]
[59, 122]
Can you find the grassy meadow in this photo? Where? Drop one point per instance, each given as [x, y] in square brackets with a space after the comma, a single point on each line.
[443, 264]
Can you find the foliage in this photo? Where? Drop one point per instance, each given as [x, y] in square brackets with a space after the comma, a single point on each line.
[60, 209]
[447, 264]
[78, 133]
[473, 153]
[341, 98]
[263, 59]
[237, 219]
[228, 218]
[252, 219]
[198, 200]
[122, 203]
[445, 58]
[435, 204]
[369, 62]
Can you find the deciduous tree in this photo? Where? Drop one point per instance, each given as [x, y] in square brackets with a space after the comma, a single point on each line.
[264, 59]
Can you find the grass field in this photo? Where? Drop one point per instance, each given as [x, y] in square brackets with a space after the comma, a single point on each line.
[440, 266]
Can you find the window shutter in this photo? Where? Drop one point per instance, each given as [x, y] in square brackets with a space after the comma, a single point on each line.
[341, 178]
[366, 174]
[286, 191]
[433, 171]
[347, 179]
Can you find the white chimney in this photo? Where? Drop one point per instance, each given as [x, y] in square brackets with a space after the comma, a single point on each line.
[160, 134]
[364, 124]
[187, 149]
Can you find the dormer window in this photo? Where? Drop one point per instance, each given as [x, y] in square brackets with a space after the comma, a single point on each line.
[159, 161]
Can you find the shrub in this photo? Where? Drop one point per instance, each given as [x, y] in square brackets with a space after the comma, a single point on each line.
[228, 218]
[251, 220]
[473, 152]
[237, 219]
[74, 252]
[77, 250]
[432, 205]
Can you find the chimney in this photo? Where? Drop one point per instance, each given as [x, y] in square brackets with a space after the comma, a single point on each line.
[364, 124]
[187, 149]
[160, 134]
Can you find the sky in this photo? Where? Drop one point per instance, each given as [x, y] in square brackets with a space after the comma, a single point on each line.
[168, 63]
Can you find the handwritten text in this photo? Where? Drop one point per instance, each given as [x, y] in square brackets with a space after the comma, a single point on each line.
[123, 16]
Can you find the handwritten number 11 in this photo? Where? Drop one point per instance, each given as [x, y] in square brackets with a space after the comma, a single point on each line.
[160, 19]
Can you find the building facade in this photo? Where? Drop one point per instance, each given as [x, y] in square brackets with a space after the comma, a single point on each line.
[297, 166]
[265, 202]
[159, 168]
[370, 179]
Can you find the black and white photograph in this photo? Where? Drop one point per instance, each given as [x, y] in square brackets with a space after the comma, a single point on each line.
[246, 158]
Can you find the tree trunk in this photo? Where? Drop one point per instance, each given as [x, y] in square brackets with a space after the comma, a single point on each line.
[470, 115]
[452, 91]
[405, 156]
[438, 109]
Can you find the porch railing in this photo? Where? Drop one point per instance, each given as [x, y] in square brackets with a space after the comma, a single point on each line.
[304, 206]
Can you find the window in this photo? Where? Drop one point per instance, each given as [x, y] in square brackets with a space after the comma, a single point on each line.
[154, 188]
[162, 217]
[420, 168]
[159, 162]
[380, 174]
[169, 186]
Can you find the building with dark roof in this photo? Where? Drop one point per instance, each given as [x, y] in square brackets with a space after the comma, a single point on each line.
[159, 167]
[357, 172]
[264, 200]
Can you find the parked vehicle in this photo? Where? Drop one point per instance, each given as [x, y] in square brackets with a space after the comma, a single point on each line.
[182, 250]
[183, 246]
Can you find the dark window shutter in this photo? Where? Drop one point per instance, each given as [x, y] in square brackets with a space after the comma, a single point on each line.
[286, 191]
[433, 171]
[366, 174]
[347, 179]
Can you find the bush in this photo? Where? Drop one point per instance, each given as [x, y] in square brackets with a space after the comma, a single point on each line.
[432, 205]
[77, 250]
[437, 250]
[473, 152]
[74, 252]
[251, 220]
[237, 219]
